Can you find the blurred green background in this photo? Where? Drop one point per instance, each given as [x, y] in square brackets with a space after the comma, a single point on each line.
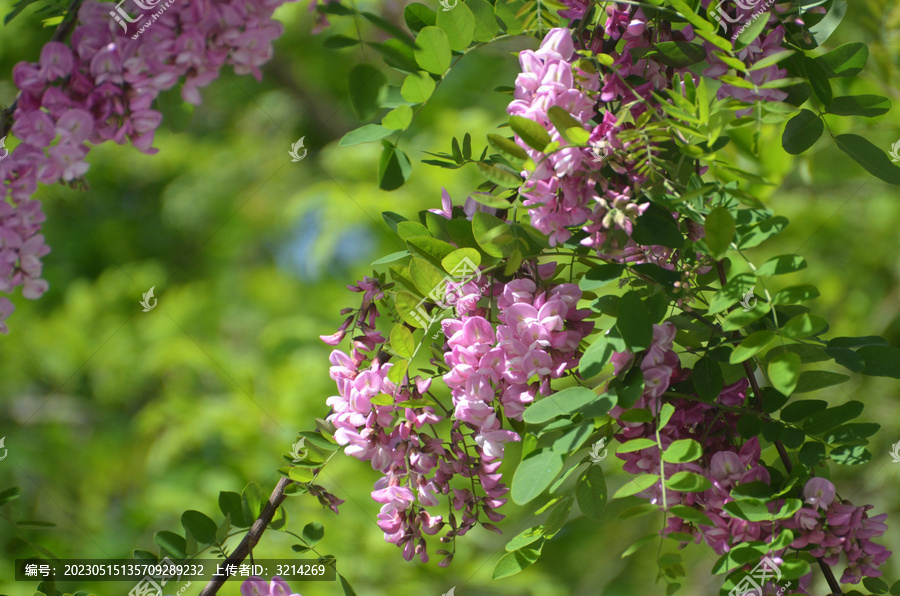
[117, 421]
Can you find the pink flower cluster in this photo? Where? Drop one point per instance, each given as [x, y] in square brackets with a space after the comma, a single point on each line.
[103, 89]
[493, 373]
[832, 526]
[827, 526]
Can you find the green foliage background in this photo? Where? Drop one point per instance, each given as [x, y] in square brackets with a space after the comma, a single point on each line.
[117, 421]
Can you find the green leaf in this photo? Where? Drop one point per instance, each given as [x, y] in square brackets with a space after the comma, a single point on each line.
[590, 492]
[638, 511]
[752, 31]
[656, 226]
[870, 157]
[679, 54]
[365, 84]
[173, 544]
[426, 276]
[431, 249]
[688, 482]
[514, 562]
[499, 175]
[10, 494]
[636, 484]
[560, 403]
[459, 25]
[752, 345]
[881, 361]
[393, 167]
[860, 105]
[707, 378]
[846, 60]
[402, 342]
[748, 237]
[534, 475]
[433, 50]
[411, 311]
[638, 544]
[346, 587]
[200, 526]
[850, 455]
[231, 507]
[364, 134]
[814, 380]
[312, 533]
[804, 325]
[799, 410]
[719, 228]
[599, 276]
[486, 26]
[418, 16]
[462, 262]
[732, 292]
[634, 322]
[823, 421]
[811, 454]
[399, 118]
[739, 318]
[784, 372]
[572, 440]
[563, 121]
[533, 134]
[636, 445]
[417, 86]
[524, 538]
[801, 132]
[397, 55]
[691, 515]
[749, 509]
[795, 294]
[300, 474]
[595, 357]
[781, 265]
[818, 80]
[508, 149]
[682, 451]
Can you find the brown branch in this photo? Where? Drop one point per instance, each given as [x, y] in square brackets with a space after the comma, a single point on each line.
[61, 33]
[782, 452]
[252, 538]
